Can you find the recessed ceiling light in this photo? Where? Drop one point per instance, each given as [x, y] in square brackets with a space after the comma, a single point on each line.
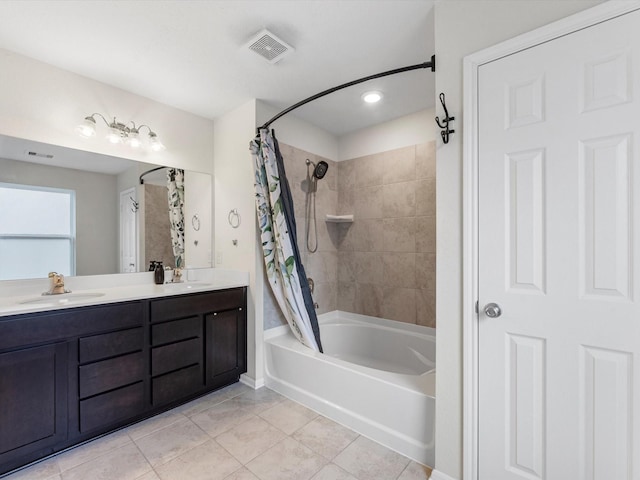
[372, 97]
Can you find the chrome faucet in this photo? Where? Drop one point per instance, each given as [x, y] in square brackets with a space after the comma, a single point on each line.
[56, 284]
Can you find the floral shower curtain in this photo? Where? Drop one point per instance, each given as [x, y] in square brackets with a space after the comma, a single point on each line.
[284, 269]
[175, 184]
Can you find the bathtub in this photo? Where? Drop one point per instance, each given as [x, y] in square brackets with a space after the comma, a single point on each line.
[376, 377]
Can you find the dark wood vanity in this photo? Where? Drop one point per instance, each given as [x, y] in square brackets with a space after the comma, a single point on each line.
[69, 375]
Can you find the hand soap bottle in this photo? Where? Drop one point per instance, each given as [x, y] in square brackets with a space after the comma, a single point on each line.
[158, 273]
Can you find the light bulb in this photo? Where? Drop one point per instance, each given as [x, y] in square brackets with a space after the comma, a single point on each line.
[115, 135]
[134, 139]
[87, 128]
[372, 97]
[156, 145]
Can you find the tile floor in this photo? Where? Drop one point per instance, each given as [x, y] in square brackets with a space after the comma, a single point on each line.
[233, 434]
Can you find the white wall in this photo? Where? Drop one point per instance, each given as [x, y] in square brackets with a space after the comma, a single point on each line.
[299, 133]
[44, 103]
[462, 28]
[198, 201]
[233, 189]
[97, 207]
[411, 129]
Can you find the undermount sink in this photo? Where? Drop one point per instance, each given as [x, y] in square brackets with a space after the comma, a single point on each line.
[62, 299]
[184, 286]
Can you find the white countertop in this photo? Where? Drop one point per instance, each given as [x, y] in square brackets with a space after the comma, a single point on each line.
[112, 288]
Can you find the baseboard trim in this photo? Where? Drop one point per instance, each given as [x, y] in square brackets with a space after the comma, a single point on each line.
[251, 382]
[436, 475]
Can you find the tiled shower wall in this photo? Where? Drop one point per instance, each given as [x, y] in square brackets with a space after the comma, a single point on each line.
[157, 239]
[386, 258]
[382, 264]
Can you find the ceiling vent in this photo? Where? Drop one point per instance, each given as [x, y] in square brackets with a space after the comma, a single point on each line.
[38, 154]
[269, 47]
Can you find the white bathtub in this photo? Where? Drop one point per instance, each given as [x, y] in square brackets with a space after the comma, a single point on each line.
[376, 377]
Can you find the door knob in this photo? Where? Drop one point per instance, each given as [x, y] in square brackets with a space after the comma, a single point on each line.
[492, 310]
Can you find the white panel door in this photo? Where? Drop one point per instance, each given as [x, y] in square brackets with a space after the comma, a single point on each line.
[559, 253]
[128, 231]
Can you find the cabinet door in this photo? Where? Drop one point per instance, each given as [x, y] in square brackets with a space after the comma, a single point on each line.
[33, 396]
[225, 346]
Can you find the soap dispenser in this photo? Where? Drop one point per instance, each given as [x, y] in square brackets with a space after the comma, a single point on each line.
[158, 273]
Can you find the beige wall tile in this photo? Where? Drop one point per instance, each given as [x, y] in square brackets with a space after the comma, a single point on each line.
[399, 165]
[322, 266]
[368, 202]
[399, 199]
[368, 299]
[426, 197]
[347, 297]
[426, 234]
[426, 271]
[368, 267]
[368, 235]
[399, 270]
[346, 202]
[426, 160]
[399, 304]
[369, 170]
[399, 234]
[346, 175]
[346, 267]
[426, 304]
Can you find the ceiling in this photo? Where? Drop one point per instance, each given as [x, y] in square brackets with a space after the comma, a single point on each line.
[192, 55]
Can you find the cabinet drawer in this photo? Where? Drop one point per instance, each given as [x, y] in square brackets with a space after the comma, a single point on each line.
[196, 303]
[176, 330]
[177, 355]
[177, 385]
[29, 329]
[109, 374]
[108, 345]
[109, 408]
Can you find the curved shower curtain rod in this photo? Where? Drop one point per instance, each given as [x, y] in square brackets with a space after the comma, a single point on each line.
[431, 64]
[148, 172]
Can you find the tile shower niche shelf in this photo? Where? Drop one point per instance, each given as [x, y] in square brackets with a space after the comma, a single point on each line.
[339, 218]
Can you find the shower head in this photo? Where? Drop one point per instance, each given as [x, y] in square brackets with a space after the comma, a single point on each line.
[320, 169]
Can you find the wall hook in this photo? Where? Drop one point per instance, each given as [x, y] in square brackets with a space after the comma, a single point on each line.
[445, 121]
[135, 206]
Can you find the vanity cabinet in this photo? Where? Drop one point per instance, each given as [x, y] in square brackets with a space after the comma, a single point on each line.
[33, 401]
[198, 344]
[41, 377]
[111, 377]
[70, 375]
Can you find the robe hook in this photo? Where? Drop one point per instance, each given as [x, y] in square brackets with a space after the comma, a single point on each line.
[445, 121]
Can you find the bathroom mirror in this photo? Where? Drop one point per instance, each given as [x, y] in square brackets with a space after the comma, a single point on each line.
[57, 202]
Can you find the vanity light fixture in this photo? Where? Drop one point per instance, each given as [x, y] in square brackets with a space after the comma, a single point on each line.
[120, 132]
[372, 97]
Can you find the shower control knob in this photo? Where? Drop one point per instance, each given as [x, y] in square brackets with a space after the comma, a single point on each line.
[492, 310]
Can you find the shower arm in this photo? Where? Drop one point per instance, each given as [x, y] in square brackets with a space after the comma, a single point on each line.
[431, 64]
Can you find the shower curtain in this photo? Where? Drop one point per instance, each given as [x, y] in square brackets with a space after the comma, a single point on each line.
[284, 269]
[175, 184]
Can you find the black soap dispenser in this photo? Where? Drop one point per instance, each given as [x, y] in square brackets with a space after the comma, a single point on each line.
[158, 273]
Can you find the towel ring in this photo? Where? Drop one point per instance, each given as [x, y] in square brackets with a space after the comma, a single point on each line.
[195, 222]
[234, 218]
